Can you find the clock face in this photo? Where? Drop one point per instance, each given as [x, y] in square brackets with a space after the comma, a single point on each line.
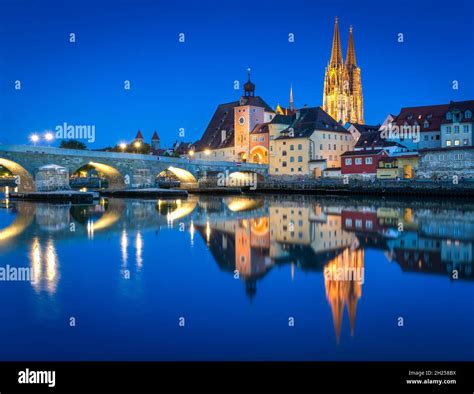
[242, 120]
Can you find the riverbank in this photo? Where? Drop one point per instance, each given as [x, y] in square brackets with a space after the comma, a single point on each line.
[61, 196]
[400, 188]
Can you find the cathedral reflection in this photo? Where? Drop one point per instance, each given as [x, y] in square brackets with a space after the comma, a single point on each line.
[249, 236]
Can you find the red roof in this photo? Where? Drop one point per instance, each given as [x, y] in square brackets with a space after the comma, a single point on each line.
[139, 135]
[155, 136]
[432, 114]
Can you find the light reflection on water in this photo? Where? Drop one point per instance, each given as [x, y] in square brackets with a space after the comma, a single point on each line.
[328, 261]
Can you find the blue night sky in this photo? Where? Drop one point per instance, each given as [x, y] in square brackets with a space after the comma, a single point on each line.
[176, 85]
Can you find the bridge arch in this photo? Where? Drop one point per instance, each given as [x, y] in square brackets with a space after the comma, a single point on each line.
[114, 177]
[184, 176]
[25, 180]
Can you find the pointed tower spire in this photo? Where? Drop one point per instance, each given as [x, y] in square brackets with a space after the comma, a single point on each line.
[292, 103]
[351, 55]
[336, 53]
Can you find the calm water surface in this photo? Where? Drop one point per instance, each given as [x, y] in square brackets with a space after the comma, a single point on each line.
[255, 278]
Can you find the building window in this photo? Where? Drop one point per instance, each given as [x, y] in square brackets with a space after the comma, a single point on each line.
[456, 129]
[330, 157]
[348, 162]
[283, 153]
[426, 124]
[358, 161]
[448, 129]
[300, 169]
[324, 136]
[329, 136]
[292, 147]
[283, 164]
[300, 147]
[437, 137]
[456, 142]
[300, 159]
[368, 160]
[254, 138]
[292, 169]
[348, 222]
[448, 143]
[358, 223]
[368, 224]
[292, 159]
[468, 114]
[466, 128]
[335, 147]
[449, 116]
[321, 146]
[466, 141]
[271, 148]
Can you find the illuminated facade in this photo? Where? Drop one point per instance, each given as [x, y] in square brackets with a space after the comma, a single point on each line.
[342, 95]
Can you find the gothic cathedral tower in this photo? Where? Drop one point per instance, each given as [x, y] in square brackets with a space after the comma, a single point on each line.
[342, 96]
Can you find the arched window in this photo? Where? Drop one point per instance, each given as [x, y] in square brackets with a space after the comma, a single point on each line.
[449, 116]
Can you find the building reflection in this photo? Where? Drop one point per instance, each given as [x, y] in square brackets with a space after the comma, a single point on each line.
[44, 265]
[251, 236]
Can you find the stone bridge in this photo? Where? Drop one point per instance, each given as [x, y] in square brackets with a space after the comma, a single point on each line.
[122, 170]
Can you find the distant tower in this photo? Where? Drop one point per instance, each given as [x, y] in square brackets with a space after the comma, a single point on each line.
[249, 87]
[292, 103]
[342, 95]
[139, 137]
[155, 141]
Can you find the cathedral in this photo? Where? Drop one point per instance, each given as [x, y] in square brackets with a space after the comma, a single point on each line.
[342, 96]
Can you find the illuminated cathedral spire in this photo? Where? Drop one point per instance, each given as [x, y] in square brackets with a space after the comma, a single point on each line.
[342, 95]
[336, 53]
[292, 103]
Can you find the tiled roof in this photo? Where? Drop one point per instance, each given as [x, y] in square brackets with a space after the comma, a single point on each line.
[365, 152]
[223, 119]
[372, 139]
[260, 128]
[461, 106]
[155, 136]
[365, 128]
[433, 114]
[139, 135]
[311, 119]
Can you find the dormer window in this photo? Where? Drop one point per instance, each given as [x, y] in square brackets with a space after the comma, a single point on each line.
[429, 116]
[426, 124]
[410, 117]
[449, 116]
[468, 114]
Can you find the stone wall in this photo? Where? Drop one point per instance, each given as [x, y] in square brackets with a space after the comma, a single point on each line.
[445, 163]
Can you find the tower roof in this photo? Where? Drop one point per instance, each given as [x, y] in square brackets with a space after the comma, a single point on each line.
[336, 53]
[351, 55]
[155, 136]
[292, 103]
[139, 135]
[249, 87]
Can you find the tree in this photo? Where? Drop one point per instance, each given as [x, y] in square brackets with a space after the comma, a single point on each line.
[72, 144]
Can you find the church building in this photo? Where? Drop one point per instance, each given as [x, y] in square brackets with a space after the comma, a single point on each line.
[342, 95]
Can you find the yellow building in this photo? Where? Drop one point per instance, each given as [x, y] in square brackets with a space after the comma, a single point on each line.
[398, 167]
[314, 135]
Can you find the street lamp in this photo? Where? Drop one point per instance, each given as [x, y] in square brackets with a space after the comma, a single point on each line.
[137, 145]
[191, 153]
[34, 138]
[49, 136]
[207, 152]
[123, 146]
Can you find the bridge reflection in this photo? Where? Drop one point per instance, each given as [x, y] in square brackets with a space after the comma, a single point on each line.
[249, 236]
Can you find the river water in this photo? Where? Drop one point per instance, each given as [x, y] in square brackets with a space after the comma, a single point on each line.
[238, 278]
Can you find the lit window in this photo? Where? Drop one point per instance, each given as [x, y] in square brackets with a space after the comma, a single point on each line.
[456, 142]
[466, 141]
[448, 143]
